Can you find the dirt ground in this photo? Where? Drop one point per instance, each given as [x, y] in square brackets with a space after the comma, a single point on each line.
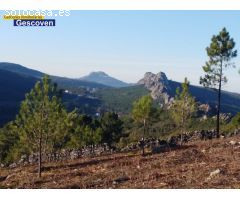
[202, 164]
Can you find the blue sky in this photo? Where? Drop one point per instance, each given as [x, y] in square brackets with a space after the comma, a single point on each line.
[124, 44]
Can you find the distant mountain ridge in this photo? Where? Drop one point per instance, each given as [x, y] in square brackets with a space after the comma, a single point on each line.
[16, 68]
[62, 81]
[163, 90]
[105, 79]
[14, 86]
[16, 80]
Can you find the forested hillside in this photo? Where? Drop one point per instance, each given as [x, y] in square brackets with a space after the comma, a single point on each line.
[13, 88]
[91, 98]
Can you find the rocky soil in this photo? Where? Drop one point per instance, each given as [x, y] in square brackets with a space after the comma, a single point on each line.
[200, 164]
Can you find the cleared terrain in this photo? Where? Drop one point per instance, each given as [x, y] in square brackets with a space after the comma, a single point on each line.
[201, 164]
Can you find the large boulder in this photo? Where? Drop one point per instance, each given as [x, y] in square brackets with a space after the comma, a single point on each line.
[158, 85]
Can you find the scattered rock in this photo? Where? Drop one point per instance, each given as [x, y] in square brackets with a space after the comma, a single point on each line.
[162, 184]
[202, 163]
[97, 181]
[74, 155]
[203, 151]
[23, 159]
[32, 159]
[13, 165]
[214, 173]
[232, 142]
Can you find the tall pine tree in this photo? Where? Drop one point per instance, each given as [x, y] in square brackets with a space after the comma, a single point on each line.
[42, 121]
[220, 52]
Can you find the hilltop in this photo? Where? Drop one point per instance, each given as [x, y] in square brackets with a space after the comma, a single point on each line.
[105, 79]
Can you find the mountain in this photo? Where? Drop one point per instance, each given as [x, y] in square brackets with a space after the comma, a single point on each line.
[159, 86]
[12, 91]
[163, 91]
[16, 83]
[62, 82]
[105, 79]
[91, 97]
[19, 69]
[13, 88]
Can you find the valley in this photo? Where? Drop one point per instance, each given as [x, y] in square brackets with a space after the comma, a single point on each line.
[92, 97]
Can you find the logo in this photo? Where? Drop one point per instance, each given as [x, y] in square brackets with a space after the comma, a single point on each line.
[29, 22]
[34, 18]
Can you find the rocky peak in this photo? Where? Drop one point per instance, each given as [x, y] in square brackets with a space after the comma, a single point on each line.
[105, 79]
[158, 84]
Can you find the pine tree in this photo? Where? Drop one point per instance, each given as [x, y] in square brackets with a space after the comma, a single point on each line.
[183, 107]
[220, 52]
[76, 133]
[93, 134]
[235, 122]
[111, 127]
[8, 139]
[86, 131]
[142, 112]
[42, 121]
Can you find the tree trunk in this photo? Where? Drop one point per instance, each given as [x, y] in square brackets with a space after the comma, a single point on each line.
[40, 158]
[92, 143]
[181, 140]
[143, 139]
[92, 150]
[219, 103]
[183, 124]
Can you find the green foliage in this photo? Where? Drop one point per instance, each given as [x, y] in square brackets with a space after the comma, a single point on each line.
[142, 110]
[85, 131]
[42, 123]
[233, 124]
[42, 120]
[220, 53]
[162, 125]
[201, 124]
[120, 100]
[142, 113]
[111, 127]
[92, 134]
[8, 140]
[183, 107]
[75, 135]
